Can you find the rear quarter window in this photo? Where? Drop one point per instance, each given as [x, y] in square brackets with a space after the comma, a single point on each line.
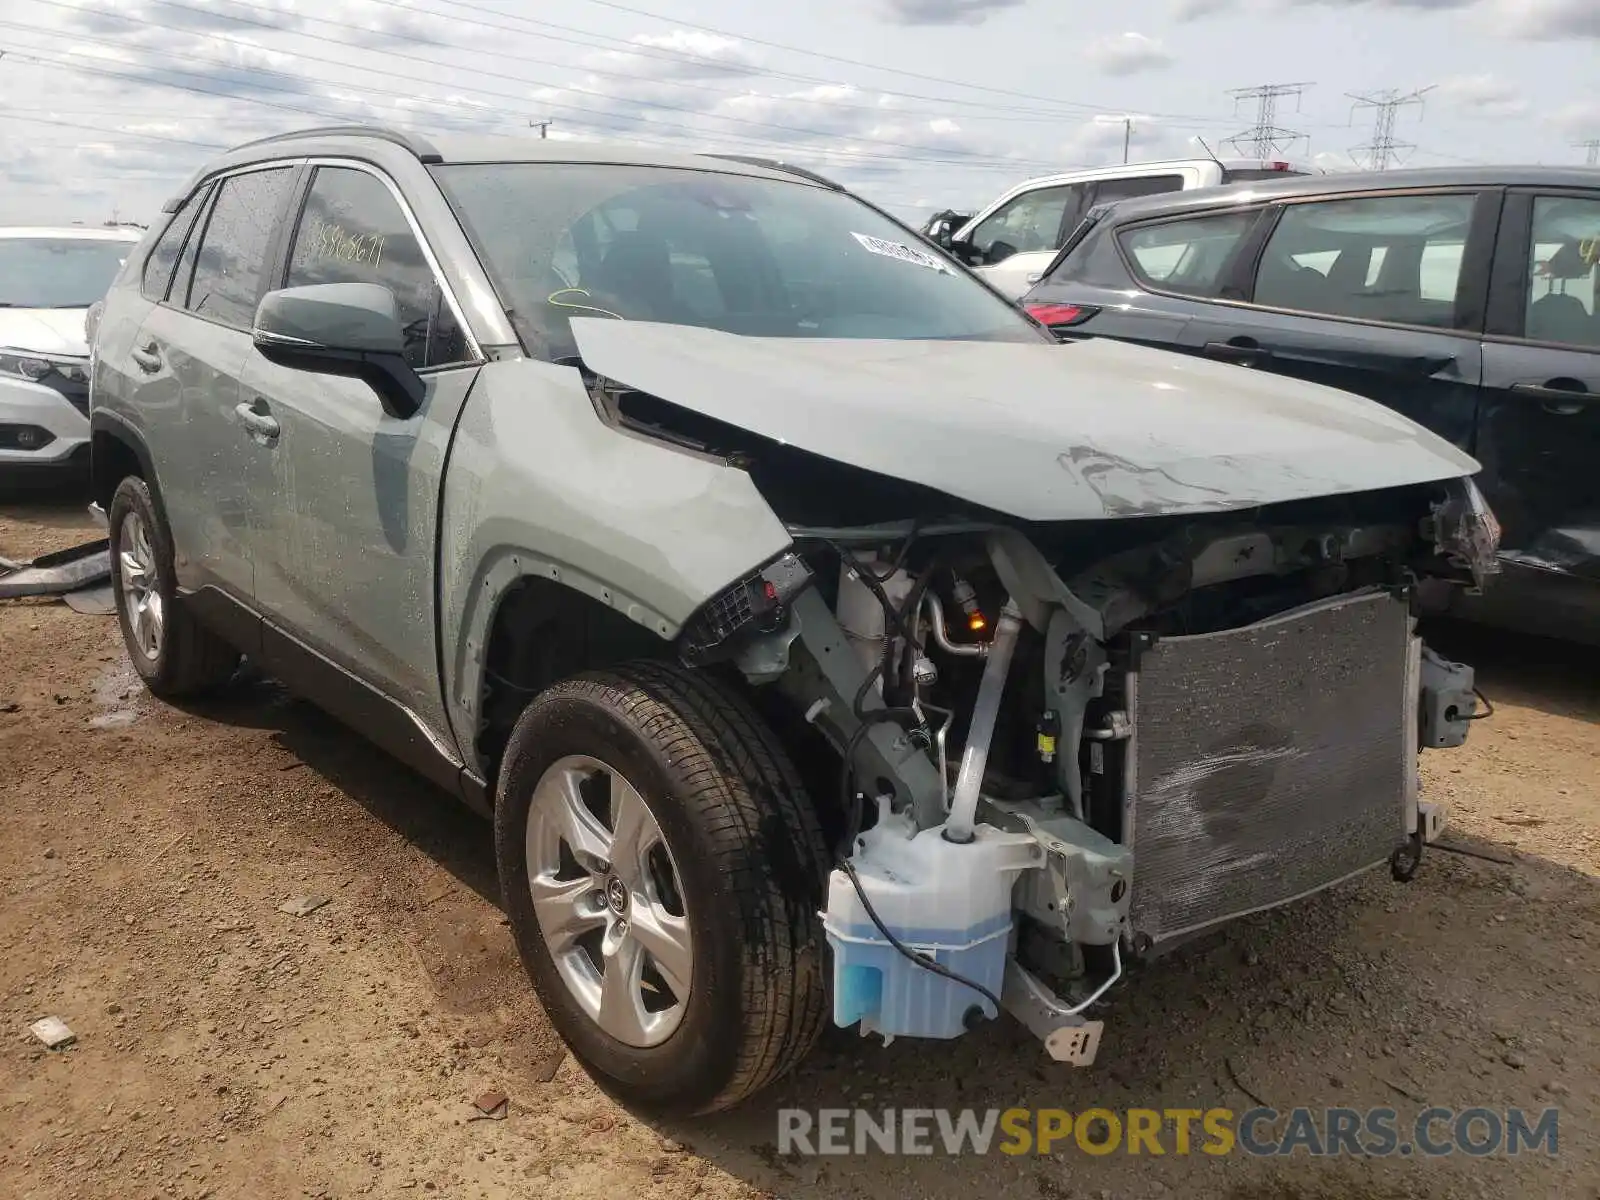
[1188, 255]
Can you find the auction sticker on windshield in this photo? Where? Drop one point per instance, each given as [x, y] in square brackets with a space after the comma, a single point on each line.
[901, 251]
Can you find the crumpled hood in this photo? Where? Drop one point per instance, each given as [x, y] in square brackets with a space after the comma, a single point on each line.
[1043, 432]
[44, 330]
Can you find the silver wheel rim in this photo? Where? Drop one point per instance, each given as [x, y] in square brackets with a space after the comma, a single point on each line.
[141, 598]
[609, 901]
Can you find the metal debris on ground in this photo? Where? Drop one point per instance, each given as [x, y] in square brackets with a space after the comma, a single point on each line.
[93, 601]
[58, 573]
[53, 1032]
[493, 1105]
[300, 906]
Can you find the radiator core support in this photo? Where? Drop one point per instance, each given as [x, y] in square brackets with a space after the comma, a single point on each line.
[1268, 762]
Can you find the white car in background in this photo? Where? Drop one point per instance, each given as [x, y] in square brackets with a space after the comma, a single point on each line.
[1012, 240]
[49, 278]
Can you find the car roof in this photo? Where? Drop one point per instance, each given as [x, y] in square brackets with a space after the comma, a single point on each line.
[1118, 170]
[89, 233]
[1299, 186]
[363, 141]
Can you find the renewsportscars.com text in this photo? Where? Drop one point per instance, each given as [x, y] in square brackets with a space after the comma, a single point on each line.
[1326, 1132]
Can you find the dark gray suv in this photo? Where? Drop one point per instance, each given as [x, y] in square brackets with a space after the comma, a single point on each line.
[1469, 300]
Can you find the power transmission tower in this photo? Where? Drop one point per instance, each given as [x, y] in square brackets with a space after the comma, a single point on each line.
[1384, 150]
[1593, 147]
[1266, 137]
[542, 126]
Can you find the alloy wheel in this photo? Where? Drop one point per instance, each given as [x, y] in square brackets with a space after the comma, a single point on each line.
[608, 900]
[141, 596]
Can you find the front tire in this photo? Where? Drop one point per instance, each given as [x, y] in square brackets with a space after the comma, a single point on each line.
[662, 871]
[174, 654]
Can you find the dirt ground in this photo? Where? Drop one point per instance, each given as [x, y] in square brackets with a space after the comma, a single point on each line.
[225, 1049]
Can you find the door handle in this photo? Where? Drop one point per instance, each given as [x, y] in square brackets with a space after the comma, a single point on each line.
[262, 426]
[1246, 352]
[1561, 401]
[147, 357]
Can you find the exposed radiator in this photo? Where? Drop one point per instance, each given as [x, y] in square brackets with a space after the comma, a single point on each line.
[1268, 762]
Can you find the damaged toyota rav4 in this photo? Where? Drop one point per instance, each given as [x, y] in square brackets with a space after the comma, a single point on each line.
[821, 636]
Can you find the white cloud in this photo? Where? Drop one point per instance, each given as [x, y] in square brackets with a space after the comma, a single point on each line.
[1128, 54]
[1550, 19]
[945, 12]
[1483, 96]
[1193, 10]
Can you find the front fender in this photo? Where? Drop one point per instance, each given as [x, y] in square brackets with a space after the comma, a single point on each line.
[538, 484]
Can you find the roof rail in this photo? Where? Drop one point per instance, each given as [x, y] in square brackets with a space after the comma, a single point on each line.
[773, 164]
[419, 146]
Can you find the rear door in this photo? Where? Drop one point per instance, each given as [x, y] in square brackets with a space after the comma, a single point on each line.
[347, 563]
[1539, 432]
[1378, 294]
[215, 478]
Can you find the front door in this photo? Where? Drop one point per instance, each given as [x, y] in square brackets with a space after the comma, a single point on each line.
[1369, 295]
[215, 473]
[1015, 243]
[346, 565]
[1539, 433]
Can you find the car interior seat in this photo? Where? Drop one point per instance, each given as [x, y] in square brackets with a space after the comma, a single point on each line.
[1559, 317]
[1283, 283]
[637, 271]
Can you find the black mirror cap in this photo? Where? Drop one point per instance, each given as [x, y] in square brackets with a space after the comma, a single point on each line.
[399, 388]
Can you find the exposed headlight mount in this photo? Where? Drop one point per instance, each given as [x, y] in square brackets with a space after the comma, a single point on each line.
[1467, 532]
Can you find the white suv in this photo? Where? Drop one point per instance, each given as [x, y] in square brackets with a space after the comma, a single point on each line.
[1012, 241]
[49, 278]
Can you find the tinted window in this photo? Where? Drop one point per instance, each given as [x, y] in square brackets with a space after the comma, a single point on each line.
[164, 257]
[1109, 191]
[1032, 221]
[353, 231]
[58, 272]
[1383, 258]
[232, 259]
[1186, 256]
[1561, 303]
[764, 257]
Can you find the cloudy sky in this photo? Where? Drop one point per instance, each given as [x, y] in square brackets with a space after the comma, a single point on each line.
[918, 103]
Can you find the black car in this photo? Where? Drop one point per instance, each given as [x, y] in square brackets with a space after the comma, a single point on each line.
[1465, 299]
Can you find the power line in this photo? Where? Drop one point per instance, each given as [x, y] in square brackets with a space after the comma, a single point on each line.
[1266, 137]
[900, 147]
[833, 58]
[1385, 150]
[1010, 110]
[832, 156]
[822, 101]
[14, 114]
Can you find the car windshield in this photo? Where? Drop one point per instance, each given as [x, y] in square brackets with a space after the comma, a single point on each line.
[58, 272]
[760, 257]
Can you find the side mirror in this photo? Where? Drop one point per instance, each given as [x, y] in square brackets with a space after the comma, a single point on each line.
[1000, 251]
[341, 329]
[965, 251]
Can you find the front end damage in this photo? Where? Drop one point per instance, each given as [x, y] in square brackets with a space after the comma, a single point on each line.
[1066, 746]
[1110, 646]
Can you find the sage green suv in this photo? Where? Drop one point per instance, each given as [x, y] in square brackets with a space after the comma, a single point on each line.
[743, 556]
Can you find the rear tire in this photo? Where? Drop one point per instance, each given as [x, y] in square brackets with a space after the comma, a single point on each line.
[173, 653]
[747, 868]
